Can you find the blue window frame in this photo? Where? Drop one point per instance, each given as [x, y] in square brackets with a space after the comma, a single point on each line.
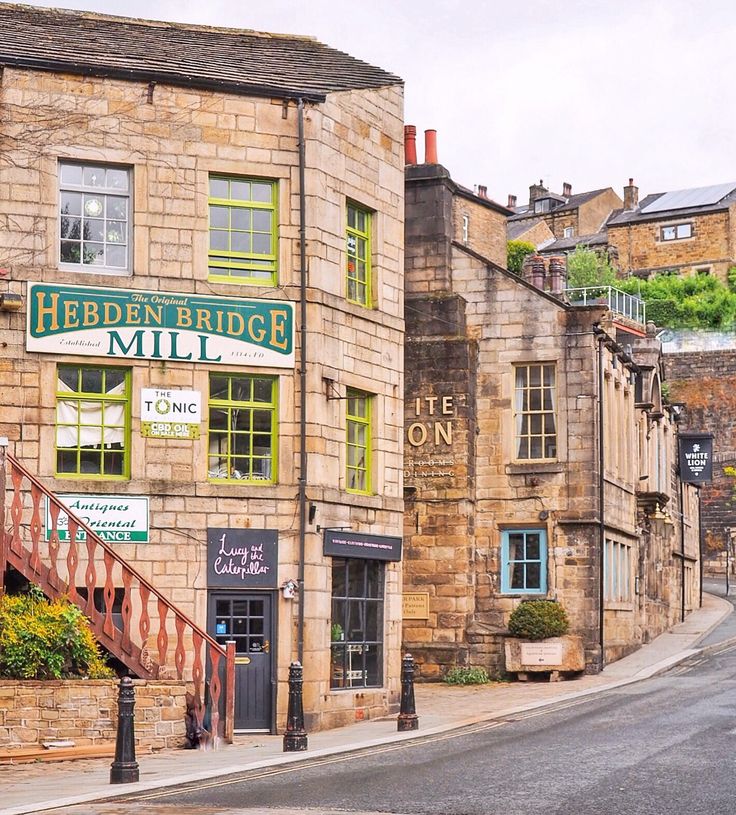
[524, 561]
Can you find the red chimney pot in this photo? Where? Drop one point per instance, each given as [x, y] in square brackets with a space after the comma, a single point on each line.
[430, 147]
[410, 144]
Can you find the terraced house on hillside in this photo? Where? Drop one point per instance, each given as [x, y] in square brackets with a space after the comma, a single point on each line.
[202, 315]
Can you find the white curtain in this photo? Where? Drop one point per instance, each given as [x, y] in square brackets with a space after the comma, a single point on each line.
[79, 422]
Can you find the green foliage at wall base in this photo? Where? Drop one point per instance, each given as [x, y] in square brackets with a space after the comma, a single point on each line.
[538, 619]
[47, 639]
[466, 676]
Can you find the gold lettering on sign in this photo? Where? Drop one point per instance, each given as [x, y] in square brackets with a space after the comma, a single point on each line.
[415, 605]
[440, 430]
[412, 434]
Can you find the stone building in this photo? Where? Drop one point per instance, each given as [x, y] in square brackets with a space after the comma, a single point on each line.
[571, 217]
[682, 231]
[539, 455]
[201, 308]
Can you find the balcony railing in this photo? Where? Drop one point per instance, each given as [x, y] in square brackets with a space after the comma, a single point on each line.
[620, 303]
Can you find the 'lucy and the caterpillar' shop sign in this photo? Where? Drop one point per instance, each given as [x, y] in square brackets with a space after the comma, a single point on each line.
[133, 324]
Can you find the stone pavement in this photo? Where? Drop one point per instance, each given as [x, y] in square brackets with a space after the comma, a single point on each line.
[39, 787]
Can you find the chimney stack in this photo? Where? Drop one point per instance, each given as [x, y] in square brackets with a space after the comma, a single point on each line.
[533, 271]
[566, 190]
[430, 147]
[537, 191]
[631, 195]
[410, 144]
[557, 275]
[482, 191]
[512, 201]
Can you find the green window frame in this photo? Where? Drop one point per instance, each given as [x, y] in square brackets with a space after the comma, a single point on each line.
[93, 422]
[359, 436]
[358, 261]
[243, 230]
[243, 429]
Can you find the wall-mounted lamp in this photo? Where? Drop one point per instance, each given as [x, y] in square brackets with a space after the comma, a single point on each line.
[289, 589]
[10, 302]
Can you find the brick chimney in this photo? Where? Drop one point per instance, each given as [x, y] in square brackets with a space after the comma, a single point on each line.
[631, 195]
[430, 147]
[512, 201]
[566, 190]
[557, 275]
[537, 191]
[482, 191]
[533, 271]
[410, 144]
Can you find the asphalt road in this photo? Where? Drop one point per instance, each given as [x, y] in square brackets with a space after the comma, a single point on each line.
[666, 746]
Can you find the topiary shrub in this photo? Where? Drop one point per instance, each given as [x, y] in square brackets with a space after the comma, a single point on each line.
[47, 639]
[538, 619]
[466, 676]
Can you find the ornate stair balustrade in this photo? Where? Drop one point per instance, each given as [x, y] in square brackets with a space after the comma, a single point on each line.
[130, 617]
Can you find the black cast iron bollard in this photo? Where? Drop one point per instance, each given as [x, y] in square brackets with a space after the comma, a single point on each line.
[295, 738]
[408, 719]
[124, 769]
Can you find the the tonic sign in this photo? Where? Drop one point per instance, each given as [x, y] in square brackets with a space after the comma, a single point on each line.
[116, 519]
[696, 457]
[170, 414]
[134, 324]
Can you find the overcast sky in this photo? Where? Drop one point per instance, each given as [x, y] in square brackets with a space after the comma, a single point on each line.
[585, 91]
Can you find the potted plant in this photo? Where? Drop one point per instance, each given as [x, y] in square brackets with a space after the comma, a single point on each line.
[539, 642]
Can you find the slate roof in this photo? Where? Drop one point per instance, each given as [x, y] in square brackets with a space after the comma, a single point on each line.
[626, 216]
[566, 244]
[573, 202]
[236, 61]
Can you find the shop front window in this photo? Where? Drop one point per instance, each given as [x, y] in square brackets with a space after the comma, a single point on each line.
[356, 630]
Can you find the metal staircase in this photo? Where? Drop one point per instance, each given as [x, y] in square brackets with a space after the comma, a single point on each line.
[147, 633]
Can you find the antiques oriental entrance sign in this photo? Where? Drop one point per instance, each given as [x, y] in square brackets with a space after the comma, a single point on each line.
[135, 324]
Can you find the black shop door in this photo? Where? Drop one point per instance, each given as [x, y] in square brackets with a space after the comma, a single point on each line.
[246, 618]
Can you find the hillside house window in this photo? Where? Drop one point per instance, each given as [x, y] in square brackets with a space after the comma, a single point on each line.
[617, 572]
[93, 421]
[358, 420]
[524, 561]
[356, 630]
[242, 428]
[676, 232]
[358, 255]
[568, 232]
[94, 217]
[243, 230]
[534, 412]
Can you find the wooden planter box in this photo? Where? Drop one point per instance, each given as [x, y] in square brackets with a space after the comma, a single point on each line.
[556, 656]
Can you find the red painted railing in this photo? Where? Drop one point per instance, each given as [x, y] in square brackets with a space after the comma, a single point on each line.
[147, 633]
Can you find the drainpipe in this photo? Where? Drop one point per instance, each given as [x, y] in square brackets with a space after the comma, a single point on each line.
[601, 491]
[302, 381]
[682, 539]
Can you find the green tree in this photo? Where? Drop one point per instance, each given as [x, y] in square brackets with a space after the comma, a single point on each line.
[516, 251]
[586, 267]
[696, 301]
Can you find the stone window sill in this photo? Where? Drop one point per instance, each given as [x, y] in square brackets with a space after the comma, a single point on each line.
[534, 467]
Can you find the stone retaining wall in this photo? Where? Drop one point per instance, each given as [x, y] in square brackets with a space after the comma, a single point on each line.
[85, 711]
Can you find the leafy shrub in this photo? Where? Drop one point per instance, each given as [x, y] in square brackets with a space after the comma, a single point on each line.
[47, 639]
[466, 676]
[696, 301]
[586, 267]
[516, 251]
[538, 619]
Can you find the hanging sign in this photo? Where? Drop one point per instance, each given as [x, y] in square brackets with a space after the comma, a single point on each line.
[115, 518]
[357, 544]
[136, 324]
[170, 414]
[696, 457]
[242, 558]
